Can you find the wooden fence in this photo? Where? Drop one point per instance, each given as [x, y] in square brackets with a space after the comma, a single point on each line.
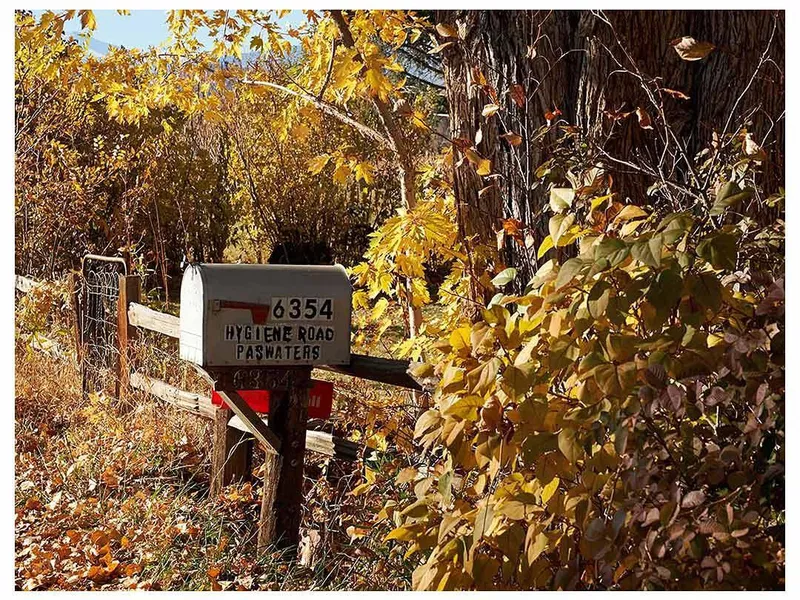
[232, 434]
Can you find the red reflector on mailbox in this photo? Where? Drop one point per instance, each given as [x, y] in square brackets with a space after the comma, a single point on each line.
[320, 399]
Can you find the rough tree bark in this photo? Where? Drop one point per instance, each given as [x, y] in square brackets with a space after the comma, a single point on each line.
[571, 61]
[496, 47]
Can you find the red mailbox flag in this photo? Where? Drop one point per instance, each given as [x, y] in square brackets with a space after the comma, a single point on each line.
[320, 399]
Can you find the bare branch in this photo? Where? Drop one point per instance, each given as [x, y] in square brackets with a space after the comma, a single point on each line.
[328, 109]
[334, 44]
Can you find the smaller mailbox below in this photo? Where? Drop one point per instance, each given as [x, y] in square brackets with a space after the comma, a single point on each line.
[265, 315]
[320, 399]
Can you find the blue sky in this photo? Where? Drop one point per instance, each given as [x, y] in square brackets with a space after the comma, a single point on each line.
[141, 28]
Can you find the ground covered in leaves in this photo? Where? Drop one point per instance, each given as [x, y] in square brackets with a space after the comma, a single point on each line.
[110, 500]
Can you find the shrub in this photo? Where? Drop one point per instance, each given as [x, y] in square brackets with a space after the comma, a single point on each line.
[621, 423]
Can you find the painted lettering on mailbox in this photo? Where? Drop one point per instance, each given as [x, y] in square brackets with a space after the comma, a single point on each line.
[284, 339]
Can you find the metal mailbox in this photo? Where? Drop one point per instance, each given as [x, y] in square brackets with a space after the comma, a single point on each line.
[265, 315]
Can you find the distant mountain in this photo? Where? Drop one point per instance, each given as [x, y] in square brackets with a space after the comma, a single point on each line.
[96, 47]
[101, 48]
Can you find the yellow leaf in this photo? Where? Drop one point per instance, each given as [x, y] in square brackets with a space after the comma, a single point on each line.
[360, 489]
[629, 227]
[380, 308]
[378, 84]
[629, 213]
[446, 30]
[571, 235]
[356, 532]
[596, 202]
[460, 338]
[561, 199]
[547, 243]
[300, 131]
[438, 48]
[689, 48]
[401, 533]
[538, 546]
[482, 377]
[406, 475]
[473, 156]
[87, 20]
[365, 171]
[316, 164]
[484, 167]
[549, 490]
[341, 174]
[559, 225]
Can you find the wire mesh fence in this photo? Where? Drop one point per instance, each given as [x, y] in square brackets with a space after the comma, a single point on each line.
[99, 335]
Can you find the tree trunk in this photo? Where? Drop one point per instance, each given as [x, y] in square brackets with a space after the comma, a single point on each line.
[584, 64]
[479, 70]
[743, 37]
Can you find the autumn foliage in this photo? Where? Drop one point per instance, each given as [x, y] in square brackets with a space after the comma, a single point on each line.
[614, 420]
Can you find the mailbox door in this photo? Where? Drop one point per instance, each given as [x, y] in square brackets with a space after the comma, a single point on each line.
[192, 317]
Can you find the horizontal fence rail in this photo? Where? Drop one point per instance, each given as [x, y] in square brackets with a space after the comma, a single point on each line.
[147, 318]
[189, 401]
[381, 370]
[317, 441]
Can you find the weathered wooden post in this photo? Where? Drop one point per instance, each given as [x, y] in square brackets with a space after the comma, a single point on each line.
[231, 453]
[263, 327]
[283, 476]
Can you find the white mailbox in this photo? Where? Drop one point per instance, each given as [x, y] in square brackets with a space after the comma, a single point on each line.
[265, 315]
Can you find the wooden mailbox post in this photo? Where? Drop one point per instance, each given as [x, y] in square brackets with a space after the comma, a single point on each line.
[264, 327]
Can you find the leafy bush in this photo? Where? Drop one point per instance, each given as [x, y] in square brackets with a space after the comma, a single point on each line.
[621, 423]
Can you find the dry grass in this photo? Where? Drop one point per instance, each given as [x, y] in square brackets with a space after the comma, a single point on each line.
[108, 499]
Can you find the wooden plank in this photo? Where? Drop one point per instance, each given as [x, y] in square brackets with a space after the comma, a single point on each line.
[130, 290]
[257, 427]
[330, 445]
[383, 370]
[316, 441]
[147, 318]
[189, 401]
[231, 453]
[25, 284]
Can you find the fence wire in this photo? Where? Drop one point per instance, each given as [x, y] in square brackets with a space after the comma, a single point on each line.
[99, 323]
